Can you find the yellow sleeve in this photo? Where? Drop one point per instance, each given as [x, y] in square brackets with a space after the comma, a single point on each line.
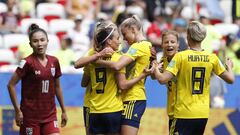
[218, 67]
[115, 57]
[87, 67]
[174, 65]
[133, 51]
[91, 52]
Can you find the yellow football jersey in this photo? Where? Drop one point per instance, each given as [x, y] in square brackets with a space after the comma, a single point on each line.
[193, 70]
[88, 89]
[105, 96]
[171, 90]
[140, 53]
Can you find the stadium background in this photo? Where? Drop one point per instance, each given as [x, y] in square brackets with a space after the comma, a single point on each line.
[221, 122]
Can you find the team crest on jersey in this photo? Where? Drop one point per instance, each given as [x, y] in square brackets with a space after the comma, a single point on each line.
[132, 51]
[29, 131]
[53, 71]
[172, 63]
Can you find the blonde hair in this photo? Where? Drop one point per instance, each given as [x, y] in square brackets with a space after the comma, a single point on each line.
[170, 32]
[132, 21]
[196, 31]
[103, 31]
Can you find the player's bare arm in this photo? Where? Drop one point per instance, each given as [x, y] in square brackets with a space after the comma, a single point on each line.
[125, 84]
[12, 92]
[162, 77]
[122, 62]
[86, 60]
[59, 95]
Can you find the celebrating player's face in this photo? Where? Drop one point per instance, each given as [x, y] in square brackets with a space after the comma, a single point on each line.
[39, 42]
[128, 35]
[170, 45]
[115, 40]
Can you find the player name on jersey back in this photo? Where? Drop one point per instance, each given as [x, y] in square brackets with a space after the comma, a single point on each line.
[198, 58]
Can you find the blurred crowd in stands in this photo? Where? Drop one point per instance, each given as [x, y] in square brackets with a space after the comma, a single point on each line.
[70, 25]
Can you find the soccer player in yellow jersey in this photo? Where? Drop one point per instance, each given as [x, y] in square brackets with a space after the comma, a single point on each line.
[170, 46]
[105, 100]
[86, 109]
[193, 70]
[91, 56]
[86, 104]
[136, 59]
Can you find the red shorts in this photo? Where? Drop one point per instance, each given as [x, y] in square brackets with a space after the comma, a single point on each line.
[31, 128]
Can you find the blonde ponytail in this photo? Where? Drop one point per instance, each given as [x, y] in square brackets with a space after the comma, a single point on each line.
[132, 21]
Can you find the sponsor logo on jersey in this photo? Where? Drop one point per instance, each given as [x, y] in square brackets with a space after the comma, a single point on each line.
[132, 51]
[37, 72]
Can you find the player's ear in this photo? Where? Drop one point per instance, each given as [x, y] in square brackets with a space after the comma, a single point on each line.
[109, 41]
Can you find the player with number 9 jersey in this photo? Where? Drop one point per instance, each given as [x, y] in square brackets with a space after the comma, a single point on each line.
[136, 60]
[105, 96]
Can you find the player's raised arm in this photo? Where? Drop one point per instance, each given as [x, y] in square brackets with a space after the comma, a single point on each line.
[88, 59]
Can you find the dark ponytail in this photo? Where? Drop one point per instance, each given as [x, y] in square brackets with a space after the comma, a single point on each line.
[33, 29]
[103, 31]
